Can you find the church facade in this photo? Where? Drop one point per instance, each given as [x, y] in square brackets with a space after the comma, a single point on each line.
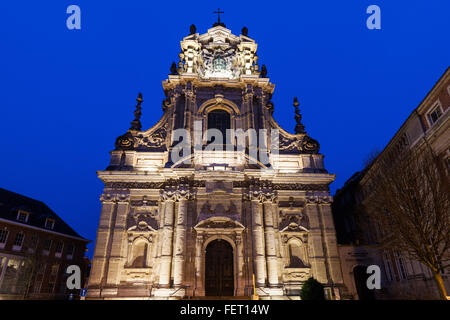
[198, 216]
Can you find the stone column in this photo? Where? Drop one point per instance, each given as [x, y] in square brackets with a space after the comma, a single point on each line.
[101, 254]
[240, 263]
[258, 244]
[116, 260]
[330, 241]
[271, 254]
[180, 240]
[315, 244]
[198, 264]
[166, 250]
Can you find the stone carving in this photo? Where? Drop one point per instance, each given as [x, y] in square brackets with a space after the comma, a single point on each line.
[135, 185]
[299, 127]
[279, 186]
[175, 190]
[263, 73]
[293, 222]
[114, 197]
[296, 274]
[201, 184]
[219, 62]
[130, 141]
[192, 29]
[136, 123]
[270, 106]
[168, 195]
[291, 204]
[173, 69]
[155, 140]
[165, 104]
[142, 222]
[305, 144]
[319, 199]
[125, 142]
[261, 195]
[219, 209]
[206, 209]
[218, 223]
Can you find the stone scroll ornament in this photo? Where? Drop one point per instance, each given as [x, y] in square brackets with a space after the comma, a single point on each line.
[177, 192]
[301, 142]
[305, 144]
[155, 140]
[134, 139]
[261, 190]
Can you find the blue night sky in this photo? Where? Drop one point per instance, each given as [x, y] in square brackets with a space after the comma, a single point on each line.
[65, 95]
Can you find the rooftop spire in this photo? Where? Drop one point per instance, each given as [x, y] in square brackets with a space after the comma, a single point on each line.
[136, 123]
[299, 128]
[218, 23]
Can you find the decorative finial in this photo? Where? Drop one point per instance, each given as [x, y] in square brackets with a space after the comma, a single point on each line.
[299, 128]
[136, 123]
[263, 73]
[218, 23]
[173, 68]
[193, 29]
[244, 31]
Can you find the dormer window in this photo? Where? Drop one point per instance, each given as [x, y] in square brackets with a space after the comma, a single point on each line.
[49, 223]
[435, 114]
[22, 216]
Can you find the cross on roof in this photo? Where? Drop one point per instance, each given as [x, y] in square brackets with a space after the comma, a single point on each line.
[218, 14]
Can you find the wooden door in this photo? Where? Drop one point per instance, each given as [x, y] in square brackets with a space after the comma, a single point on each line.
[219, 275]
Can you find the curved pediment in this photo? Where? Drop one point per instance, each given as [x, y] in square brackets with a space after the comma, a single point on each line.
[218, 223]
[141, 226]
[295, 143]
[294, 227]
[153, 139]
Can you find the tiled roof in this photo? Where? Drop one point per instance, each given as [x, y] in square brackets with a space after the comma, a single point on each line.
[11, 203]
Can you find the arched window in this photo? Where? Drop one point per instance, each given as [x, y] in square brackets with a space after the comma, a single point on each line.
[220, 120]
[139, 255]
[295, 255]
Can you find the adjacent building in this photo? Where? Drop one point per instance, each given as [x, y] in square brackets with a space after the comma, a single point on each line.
[36, 247]
[402, 278]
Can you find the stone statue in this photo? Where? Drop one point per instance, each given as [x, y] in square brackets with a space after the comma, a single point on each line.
[193, 29]
[299, 127]
[136, 123]
[173, 69]
[263, 73]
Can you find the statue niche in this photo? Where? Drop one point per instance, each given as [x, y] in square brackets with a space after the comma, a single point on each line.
[139, 255]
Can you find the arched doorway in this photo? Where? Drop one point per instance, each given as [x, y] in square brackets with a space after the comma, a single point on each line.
[219, 274]
[360, 275]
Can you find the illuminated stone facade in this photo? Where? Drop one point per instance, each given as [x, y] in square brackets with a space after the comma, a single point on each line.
[160, 214]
